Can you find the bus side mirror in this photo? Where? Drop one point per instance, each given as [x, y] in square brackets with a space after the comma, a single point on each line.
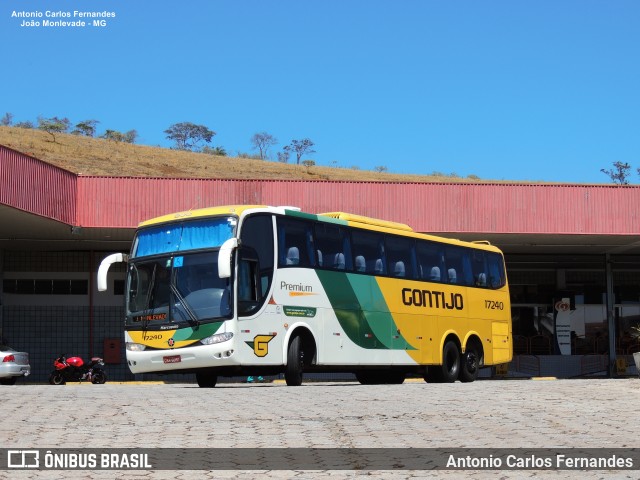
[104, 268]
[224, 257]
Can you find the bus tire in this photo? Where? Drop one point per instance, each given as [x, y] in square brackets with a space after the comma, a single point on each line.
[206, 380]
[295, 362]
[469, 365]
[450, 362]
[366, 377]
[433, 374]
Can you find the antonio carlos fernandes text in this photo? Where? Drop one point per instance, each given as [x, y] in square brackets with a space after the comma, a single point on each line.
[529, 462]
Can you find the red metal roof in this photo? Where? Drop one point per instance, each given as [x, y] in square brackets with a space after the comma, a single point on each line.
[499, 208]
[31, 185]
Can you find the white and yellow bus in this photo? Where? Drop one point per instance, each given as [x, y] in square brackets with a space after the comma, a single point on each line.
[258, 290]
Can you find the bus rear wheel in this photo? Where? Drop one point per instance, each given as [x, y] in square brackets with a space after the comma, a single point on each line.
[470, 365]
[450, 362]
[450, 368]
[295, 363]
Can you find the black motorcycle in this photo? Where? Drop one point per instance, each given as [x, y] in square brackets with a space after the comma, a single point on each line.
[73, 369]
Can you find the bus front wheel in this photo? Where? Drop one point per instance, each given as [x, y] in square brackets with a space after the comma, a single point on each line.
[206, 380]
[295, 363]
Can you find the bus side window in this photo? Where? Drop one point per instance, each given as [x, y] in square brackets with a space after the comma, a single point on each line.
[458, 265]
[479, 268]
[430, 257]
[496, 270]
[257, 234]
[401, 256]
[467, 269]
[295, 243]
[368, 247]
[249, 284]
[333, 242]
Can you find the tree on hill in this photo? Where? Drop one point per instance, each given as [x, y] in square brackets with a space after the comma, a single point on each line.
[86, 128]
[54, 125]
[619, 174]
[116, 136]
[283, 157]
[219, 151]
[7, 120]
[130, 136]
[262, 141]
[26, 124]
[301, 147]
[188, 136]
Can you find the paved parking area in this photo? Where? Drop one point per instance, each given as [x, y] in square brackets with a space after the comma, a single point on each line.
[598, 413]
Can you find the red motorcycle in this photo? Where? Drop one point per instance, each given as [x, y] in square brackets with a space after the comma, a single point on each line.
[73, 369]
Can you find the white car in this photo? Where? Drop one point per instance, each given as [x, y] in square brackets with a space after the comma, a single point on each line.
[12, 365]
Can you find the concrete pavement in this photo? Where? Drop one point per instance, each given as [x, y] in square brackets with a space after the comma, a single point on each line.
[597, 413]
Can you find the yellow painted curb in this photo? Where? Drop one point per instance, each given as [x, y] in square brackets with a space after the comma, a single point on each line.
[151, 382]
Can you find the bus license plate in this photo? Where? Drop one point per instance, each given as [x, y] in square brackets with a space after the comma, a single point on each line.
[172, 359]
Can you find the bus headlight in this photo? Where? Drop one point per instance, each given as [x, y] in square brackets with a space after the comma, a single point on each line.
[217, 338]
[135, 347]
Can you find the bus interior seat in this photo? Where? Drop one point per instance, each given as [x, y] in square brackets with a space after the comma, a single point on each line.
[338, 262]
[361, 264]
[293, 256]
[398, 269]
[435, 274]
[453, 277]
[379, 268]
[482, 280]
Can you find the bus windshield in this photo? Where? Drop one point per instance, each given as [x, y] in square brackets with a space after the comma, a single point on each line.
[176, 289]
[182, 236]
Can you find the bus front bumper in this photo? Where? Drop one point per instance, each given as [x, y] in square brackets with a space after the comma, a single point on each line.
[177, 359]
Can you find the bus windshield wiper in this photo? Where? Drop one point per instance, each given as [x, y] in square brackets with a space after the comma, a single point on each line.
[147, 305]
[193, 319]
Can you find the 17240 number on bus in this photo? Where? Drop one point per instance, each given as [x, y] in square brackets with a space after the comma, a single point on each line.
[491, 305]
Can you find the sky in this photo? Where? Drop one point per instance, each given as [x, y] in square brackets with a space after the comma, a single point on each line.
[504, 90]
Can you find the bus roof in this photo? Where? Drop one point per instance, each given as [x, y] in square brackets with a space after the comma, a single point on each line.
[201, 212]
[359, 219]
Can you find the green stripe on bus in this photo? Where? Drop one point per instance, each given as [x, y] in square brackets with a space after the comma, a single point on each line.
[347, 308]
[378, 319]
[373, 328]
[316, 218]
[378, 316]
[196, 333]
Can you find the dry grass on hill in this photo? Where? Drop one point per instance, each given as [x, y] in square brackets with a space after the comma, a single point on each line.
[93, 156]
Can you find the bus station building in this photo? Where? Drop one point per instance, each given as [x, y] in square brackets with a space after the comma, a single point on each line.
[572, 242]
